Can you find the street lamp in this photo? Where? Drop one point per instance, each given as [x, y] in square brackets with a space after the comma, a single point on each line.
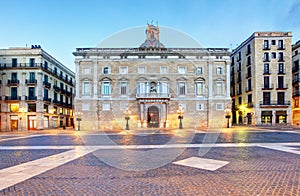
[127, 113]
[180, 112]
[227, 115]
[78, 119]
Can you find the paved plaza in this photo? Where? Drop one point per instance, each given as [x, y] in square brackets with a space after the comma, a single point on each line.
[234, 161]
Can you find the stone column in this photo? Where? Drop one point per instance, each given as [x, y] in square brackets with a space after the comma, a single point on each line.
[40, 103]
[95, 80]
[227, 79]
[145, 124]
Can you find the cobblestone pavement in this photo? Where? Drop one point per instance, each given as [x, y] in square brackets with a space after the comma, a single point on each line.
[260, 163]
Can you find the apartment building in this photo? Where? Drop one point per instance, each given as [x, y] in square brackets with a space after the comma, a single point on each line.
[261, 79]
[37, 91]
[296, 82]
[152, 82]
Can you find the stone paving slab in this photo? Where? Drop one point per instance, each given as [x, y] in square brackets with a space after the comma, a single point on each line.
[251, 171]
[9, 158]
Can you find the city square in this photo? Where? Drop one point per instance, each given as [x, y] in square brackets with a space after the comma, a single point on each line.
[242, 161]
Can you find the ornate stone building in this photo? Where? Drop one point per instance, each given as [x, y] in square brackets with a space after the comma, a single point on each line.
[37, 91]
[152, 81]
[261, 86]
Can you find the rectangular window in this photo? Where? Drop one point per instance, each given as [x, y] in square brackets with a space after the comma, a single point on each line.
[249, 60]
[280, 44]
[280, 98]
[14, 62]
[163, 69]
[219, 106]
[142, 88]
[31, 107]
[86, 89]
[31, 62]
[280, 82]
[123, 70]
[199, 106]
[46, 108]
[266, 57]
[280, 56]
[106, 106]
[280, 68]
[240, 100]
[14, 93]
[164, 88]
[248, 49]
[249, 99]
[219, 88]
[86, 70]
[199, 88]
[31, 77]
[219, 70]
[181, 87]
[141, 69]
[249, 85]
[199, 70]
[46, 78]
[181, 69]
[273, 55]
[273, 42]
[266, 69]
[106, 88]
[14, 77]
[46, 65]
[266, 82]
[266, 98]
[123, 88]
[266, 44]
[106, 70]
[31, 92]
[45, 93]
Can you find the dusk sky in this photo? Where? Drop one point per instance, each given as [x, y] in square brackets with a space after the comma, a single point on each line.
[61, 26]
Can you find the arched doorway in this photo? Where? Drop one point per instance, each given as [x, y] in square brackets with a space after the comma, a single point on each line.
[153, 117]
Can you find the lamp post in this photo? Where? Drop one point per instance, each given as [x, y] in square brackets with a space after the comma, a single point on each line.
[227, 115]
[180, 112]
[127, 113]
[78, 119]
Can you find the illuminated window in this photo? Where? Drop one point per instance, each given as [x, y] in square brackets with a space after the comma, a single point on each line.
[14, 107]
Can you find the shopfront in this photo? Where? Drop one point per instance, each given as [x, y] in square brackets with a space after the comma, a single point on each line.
[266, 117]
[281, 117]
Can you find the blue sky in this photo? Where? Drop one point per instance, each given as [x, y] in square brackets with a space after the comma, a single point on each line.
[61, 26]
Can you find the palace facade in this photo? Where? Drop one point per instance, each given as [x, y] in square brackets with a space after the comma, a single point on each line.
[152, 81]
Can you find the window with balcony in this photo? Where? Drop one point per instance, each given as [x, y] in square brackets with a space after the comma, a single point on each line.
[31, 93]
[249, 74]
[248, 49]
[280, 98]
[55, 97]
[86, 89]
[123, 88]
[250, 100]
[31, 62]
[46, 65]
[46, 108]
[143, 87]
[14, 62]
[266, 82]
[181, 88]
[249, 87]
[200, 88]
[266, 98]
[31, 77]
[46, 78]
[14, 93]
[164, 87]
[45, 93]
[280, 82]
[106, 88]
[219, 88]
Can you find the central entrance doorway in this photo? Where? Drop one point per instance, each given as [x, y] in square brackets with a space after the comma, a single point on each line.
[153, 117]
